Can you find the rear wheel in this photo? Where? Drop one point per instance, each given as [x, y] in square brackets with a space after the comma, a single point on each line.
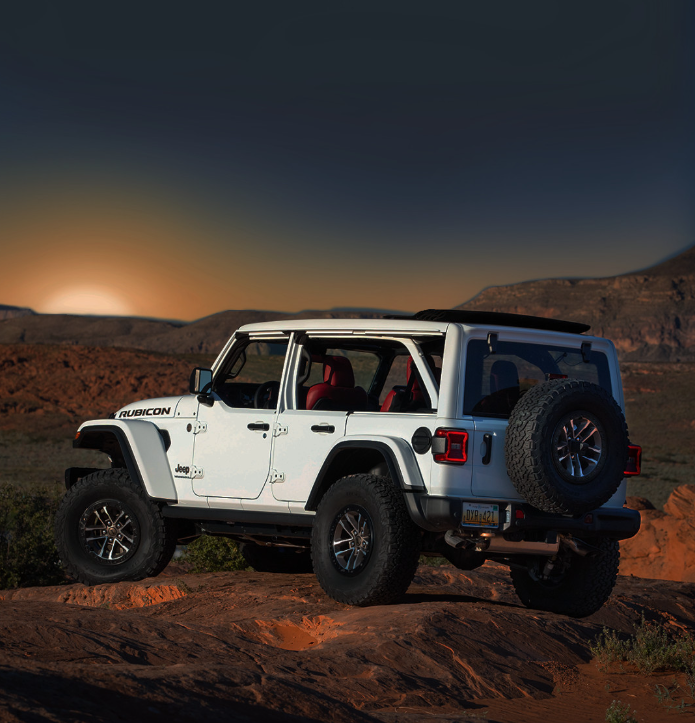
[276, 559]
[108, 530]
[364, 546]
[569, 584]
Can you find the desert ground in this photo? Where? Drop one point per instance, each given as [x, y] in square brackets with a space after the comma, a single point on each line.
[245, 646]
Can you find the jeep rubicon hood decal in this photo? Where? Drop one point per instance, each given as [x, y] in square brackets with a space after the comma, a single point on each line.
[162, 407]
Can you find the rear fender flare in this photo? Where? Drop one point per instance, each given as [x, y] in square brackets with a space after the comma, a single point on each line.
[397, 454]
[142, 448]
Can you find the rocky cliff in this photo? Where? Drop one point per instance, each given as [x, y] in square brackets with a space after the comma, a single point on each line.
[649, 314]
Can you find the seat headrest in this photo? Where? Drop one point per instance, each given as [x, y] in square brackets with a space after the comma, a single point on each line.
[337, 371]
[503, 375]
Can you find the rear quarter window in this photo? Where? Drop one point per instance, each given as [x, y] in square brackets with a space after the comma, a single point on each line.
[496, 382]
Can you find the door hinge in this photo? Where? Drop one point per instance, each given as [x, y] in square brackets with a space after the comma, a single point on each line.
[276, 476]
[280, 429]
[200, 427]
[196, 472]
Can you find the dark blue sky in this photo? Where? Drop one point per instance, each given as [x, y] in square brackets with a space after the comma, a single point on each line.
[294, 155]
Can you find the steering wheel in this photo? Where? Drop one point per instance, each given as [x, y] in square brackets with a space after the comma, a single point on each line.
[266, 396]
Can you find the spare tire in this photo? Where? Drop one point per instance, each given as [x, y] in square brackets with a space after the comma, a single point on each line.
[566, 446]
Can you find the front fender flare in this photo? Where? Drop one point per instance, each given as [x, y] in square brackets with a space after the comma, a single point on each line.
[143, 450]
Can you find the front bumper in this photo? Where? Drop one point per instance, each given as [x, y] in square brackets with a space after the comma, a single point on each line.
[439, 514]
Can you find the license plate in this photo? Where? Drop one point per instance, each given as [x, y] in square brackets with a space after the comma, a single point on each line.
[477, 515]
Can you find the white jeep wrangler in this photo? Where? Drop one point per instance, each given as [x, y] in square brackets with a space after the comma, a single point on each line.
[354, 446]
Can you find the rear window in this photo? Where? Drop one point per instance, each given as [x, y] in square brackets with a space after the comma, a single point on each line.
[496, 382]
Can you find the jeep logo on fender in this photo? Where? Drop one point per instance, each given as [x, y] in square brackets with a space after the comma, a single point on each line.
[149, 412]
[182, 470]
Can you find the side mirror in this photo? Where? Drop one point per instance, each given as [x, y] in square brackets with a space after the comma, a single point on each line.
[201, 381]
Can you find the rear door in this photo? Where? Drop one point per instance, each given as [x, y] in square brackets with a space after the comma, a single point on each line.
[496, 378]
[305, 437]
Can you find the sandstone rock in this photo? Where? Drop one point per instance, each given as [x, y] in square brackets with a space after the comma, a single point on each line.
[639, 503]
[664, 548]
[269, 648]
[681, 503]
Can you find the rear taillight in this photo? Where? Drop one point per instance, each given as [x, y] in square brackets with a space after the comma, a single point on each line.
[450, 445]
[634, 460]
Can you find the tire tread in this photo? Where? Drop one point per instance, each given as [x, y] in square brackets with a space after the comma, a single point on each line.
[395, 568]
[163, 542]
[586, 591]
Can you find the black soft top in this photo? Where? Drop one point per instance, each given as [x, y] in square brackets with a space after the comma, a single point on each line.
[485, 318]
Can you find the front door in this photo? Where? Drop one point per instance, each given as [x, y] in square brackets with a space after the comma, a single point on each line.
[231, 455]
[331, 383]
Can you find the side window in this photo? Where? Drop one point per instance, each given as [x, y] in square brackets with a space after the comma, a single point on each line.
[252, 377]
[496, 382]
[339, 378]
[364, 375]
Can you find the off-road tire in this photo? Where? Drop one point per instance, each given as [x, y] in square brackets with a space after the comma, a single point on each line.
[156, 541]
[394, 551]
[581, 590]
[276, 559]
[529, 442]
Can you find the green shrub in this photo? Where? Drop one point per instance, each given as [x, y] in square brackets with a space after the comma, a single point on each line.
[433, 561]
[651, 648]
[214, 554]
[27, 552]
[619, 713]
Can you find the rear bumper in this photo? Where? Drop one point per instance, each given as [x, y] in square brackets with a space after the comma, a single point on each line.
[438, 514]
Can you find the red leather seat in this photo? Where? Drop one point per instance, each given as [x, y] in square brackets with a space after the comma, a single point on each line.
[417, 398]
[338, 391]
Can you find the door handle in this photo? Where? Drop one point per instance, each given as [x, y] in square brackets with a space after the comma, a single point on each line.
[258, 426]
[487, 441]
[323, 428]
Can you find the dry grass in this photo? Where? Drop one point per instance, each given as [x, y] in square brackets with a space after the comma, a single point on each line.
[660, 403]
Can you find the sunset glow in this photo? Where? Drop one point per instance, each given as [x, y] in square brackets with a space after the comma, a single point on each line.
[351, 157]
[87, 300]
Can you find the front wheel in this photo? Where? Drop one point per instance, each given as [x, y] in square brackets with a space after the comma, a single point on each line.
[364, 546]
[569, 584]
[108, 530]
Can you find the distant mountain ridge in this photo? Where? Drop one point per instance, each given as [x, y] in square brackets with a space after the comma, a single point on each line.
[11, 312]
[649, 314]
[204, 336]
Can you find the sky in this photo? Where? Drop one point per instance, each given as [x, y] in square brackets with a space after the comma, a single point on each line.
[174, 160]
